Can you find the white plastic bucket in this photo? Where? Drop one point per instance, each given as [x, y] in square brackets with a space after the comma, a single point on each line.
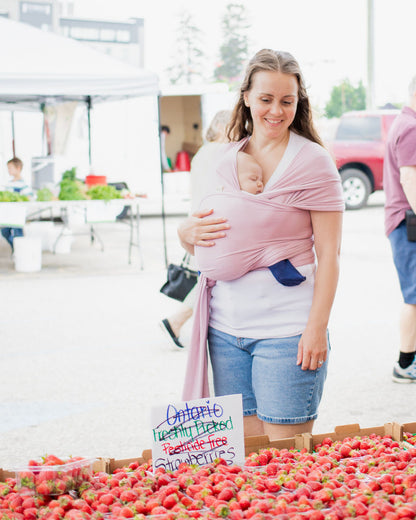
[27, 254]
[61, 243]
[43, 230]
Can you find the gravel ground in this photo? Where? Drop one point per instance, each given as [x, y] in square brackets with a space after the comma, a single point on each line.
[83, 359]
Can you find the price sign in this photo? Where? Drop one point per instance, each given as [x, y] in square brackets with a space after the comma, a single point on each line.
[198, 432]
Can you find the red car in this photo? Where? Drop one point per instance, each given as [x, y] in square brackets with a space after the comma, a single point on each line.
[358, 149]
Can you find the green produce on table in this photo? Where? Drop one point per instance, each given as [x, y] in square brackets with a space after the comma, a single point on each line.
[72, 190]
[44, 194]
[12, 196]
[70, 175]
[103, 192]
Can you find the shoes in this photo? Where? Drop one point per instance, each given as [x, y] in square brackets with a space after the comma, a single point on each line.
[167, 329]
[404, 375]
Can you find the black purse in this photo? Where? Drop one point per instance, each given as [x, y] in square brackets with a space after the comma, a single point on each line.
[411, 225]
[181, 280]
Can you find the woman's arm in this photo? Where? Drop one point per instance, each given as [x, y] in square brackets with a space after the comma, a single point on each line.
[327, 229]
[197, 230]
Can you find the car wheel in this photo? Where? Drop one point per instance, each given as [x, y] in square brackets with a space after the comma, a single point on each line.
[356, 187]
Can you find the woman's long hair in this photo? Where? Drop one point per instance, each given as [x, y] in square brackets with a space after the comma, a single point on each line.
[241, 124]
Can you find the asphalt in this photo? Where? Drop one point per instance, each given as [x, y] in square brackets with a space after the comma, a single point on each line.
[83, 359]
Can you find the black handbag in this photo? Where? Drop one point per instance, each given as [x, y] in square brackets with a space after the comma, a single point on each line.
[411, 225]
[181, 280]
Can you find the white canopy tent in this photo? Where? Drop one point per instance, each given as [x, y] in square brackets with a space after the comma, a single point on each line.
[41, 67]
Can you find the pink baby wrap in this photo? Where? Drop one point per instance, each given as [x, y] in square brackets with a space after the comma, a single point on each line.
[264, 229]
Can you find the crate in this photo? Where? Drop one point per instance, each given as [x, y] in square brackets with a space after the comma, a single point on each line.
[256, 443]
[349, 430]
[261, 442]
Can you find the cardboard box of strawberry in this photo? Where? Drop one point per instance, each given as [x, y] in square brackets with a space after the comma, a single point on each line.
[371, 476]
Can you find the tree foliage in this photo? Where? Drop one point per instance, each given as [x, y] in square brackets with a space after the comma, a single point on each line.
[188, 58]
[345, 97]
[235, 47]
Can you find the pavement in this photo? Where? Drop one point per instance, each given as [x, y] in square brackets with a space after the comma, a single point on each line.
[83, 359]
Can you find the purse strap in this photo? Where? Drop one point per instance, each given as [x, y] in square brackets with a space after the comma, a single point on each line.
[186, 259]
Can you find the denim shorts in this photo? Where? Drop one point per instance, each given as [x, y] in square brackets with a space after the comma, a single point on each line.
[404, 256]
[265, 372]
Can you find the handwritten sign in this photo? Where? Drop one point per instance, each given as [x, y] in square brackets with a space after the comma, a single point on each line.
[198, 432]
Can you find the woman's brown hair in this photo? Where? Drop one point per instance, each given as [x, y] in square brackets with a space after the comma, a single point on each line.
[241, 124]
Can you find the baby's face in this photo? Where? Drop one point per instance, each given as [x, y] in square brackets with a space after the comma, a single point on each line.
[251, 178]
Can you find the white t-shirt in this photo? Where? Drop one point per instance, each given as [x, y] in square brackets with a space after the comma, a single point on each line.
[257, 305]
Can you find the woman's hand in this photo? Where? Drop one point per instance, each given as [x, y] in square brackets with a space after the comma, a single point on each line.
[312, 348]
[199, 230]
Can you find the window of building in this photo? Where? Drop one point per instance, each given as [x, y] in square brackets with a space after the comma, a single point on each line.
[123, 36]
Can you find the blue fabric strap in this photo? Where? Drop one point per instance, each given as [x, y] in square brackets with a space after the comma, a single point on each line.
[286, 274]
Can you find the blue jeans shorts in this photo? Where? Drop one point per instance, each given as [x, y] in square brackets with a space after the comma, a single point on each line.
[404, 256]
[264, 371]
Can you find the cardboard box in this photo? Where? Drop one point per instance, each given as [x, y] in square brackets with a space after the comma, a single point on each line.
[406, 427]
[348, 430]
[260, 442]
[113, 464]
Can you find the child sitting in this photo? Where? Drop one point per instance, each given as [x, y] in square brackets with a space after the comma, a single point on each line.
[17, 184]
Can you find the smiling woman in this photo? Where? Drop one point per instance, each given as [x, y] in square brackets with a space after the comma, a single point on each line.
[267, 338]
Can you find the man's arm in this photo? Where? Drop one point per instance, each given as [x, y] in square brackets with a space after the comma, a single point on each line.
[408, 181]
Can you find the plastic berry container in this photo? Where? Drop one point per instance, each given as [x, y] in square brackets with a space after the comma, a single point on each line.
[54, 479]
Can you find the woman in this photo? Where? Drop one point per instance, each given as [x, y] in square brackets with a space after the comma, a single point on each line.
[268, 341]
[200, 172]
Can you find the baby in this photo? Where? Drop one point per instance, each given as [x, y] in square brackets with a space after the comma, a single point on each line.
[250, 174]
[250, 178]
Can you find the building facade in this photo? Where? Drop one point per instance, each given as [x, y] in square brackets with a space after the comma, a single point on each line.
[123, 40]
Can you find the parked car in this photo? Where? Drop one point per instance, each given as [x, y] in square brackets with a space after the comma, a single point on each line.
[358, 149]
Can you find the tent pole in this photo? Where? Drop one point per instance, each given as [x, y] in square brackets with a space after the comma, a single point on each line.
[89, 105]
[162, 183]
[13, 135]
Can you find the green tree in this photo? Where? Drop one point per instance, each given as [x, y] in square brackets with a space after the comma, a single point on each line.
[188, 58]
[235, 47]
[345, 97]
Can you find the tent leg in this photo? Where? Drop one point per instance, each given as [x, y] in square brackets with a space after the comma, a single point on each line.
[89, 105]
[13, 135]
[163, 185]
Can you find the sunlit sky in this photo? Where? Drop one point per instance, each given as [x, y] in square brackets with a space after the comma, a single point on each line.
[328, 37]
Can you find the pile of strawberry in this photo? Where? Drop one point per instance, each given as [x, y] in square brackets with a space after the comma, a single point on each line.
[372, 477]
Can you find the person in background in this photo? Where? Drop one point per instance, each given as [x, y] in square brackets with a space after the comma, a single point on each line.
[17, 184]
[164, 132]
[399, 179]
[201, 167]
[266, 341]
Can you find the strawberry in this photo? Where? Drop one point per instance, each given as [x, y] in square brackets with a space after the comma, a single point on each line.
[52, 460]
[222, 511]
[127, 512]
[106, 499]
[45, 488]
[170, 501]
[128, 495]
[226, 494]
[30, 513]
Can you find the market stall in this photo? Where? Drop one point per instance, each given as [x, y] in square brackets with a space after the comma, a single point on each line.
[41, 69]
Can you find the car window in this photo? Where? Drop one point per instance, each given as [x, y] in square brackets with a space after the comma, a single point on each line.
[359, 129]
